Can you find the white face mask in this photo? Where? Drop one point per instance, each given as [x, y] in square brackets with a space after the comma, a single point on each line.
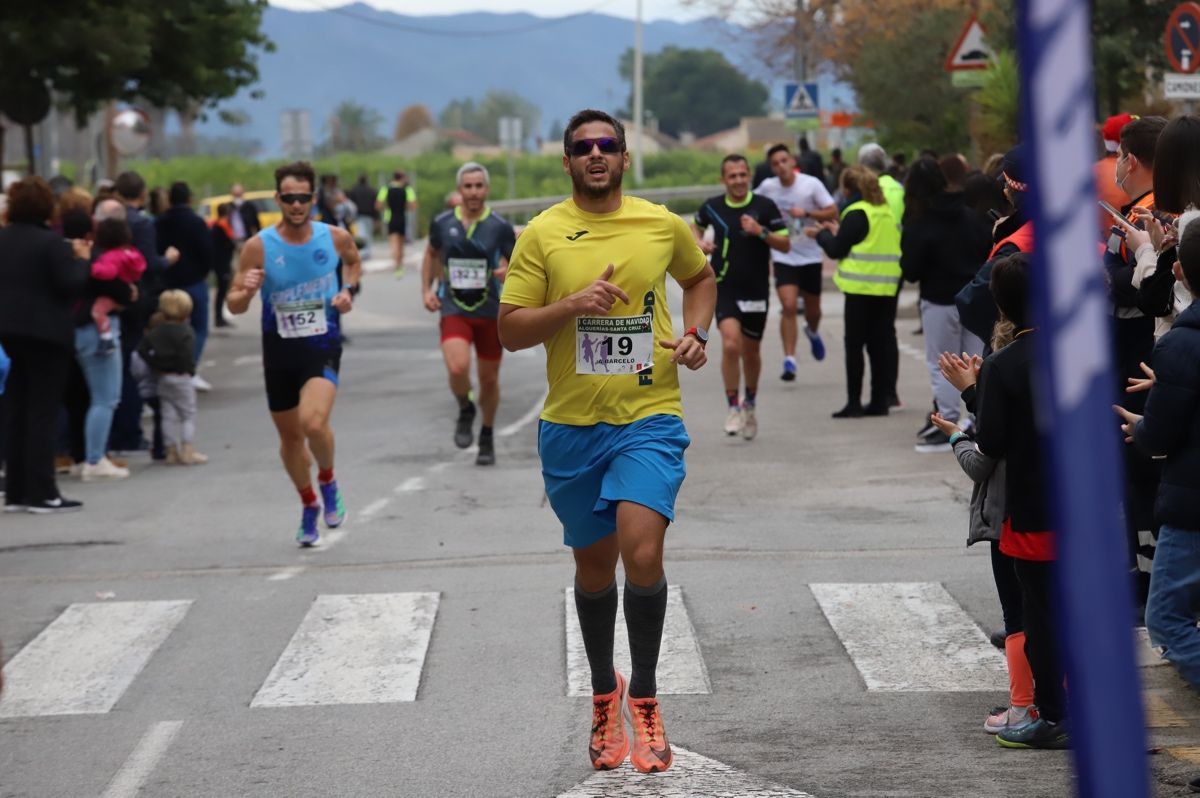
[1117, 172]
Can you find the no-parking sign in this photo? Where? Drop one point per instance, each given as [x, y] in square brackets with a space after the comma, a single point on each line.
[1182, 39]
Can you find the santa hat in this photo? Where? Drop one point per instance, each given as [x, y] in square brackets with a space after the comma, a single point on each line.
[1111, 131]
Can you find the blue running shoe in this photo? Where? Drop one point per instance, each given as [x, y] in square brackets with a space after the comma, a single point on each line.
[335, 508]
[789, 370]
[818, 346]
[307, 535]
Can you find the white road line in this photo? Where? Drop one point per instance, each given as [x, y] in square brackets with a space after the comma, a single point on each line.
[411, 485]
[354, 649]
[691, 775]
[247, 360]
[83, 662]
[681, 669]
[287, 573]
[141, 763]
[911, 636]
[438, 468]
[373, 508]
[525, 420]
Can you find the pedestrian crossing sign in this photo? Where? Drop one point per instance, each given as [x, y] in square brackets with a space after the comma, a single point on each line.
[800, 101]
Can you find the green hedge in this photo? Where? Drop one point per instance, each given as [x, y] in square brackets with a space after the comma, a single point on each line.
[432, 175]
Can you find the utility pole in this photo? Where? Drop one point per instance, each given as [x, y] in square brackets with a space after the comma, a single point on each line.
[799, 68]
[638, 112]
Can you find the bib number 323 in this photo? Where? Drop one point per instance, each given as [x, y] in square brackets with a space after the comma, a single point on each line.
[301, 319]
[613, 345]
[467, 274]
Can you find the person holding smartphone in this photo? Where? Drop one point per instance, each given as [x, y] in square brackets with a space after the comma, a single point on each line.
[1133, 329]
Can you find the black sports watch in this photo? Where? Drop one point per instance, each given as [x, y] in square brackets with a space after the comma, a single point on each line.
[699, 333]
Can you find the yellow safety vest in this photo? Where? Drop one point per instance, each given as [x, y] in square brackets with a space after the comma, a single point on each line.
[873, 266]
[893, 192]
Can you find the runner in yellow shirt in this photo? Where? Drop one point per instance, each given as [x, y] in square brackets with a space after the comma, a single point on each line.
[588, 280]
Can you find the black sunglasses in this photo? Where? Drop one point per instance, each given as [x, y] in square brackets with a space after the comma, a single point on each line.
[292, 199]
[608, 145]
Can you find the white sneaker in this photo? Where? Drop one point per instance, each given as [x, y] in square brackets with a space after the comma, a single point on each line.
[749, 422]
[202, 385]
[105, 469]
[733, 422]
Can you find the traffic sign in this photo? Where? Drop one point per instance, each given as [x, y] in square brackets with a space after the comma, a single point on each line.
[971, 51]
[1182, 39]
[800, 101]
[1179, 86]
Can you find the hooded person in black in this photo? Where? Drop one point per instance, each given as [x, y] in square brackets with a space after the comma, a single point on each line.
[1012, 234]
[942, 249]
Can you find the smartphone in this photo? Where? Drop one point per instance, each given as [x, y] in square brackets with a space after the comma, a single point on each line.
[1118, 217]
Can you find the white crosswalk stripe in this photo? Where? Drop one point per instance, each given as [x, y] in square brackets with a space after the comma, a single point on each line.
[681, 669]
[911, 636]
[371, 648]
[83, 662]
[354, 649]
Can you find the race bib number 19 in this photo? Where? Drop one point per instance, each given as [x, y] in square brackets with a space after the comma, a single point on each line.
[301, 319]
[613, 345]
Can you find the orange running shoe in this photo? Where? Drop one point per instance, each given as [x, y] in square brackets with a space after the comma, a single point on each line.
[609, 744]
[651, 752]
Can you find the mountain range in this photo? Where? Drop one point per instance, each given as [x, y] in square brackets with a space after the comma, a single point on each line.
[388, 61]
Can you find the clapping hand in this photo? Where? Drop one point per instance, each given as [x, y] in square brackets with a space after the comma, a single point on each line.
[947, 427]
[1130, 419]
[1139, 384]
[961, 372]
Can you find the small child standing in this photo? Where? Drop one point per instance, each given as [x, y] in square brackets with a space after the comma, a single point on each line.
[119, 261]
[169, 351]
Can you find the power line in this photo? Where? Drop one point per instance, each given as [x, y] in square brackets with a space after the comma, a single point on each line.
[407, 28]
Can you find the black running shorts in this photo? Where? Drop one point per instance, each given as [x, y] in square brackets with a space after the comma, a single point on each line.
[750, 313]
[806, 277]
[284, 384]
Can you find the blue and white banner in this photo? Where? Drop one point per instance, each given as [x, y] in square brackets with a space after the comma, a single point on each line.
[1076, 389]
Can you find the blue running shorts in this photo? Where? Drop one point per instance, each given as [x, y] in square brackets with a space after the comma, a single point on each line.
[589, 469]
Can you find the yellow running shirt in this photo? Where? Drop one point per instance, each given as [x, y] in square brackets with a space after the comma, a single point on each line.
[592, 363]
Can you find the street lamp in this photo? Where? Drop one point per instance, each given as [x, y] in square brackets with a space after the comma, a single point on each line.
[638, 117]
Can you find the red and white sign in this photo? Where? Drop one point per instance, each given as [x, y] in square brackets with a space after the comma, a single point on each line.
[1182, 38]
[971, 51]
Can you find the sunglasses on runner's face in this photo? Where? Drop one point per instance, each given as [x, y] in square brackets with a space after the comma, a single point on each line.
[607, 145]
[292, 199]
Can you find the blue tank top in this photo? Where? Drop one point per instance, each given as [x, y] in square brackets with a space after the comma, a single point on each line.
[299, 284]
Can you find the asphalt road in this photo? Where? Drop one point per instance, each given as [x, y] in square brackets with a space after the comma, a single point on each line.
[829, 640]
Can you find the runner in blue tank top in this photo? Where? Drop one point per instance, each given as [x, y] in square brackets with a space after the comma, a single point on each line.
[304, 270]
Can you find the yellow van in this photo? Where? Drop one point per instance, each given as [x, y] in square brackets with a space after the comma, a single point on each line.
[263, 201]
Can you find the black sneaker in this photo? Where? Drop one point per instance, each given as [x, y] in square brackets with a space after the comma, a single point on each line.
[928, 428]
[849, 411]
[1040, 733]
[59, 505]
[875, 410]
[936, 441]
[487, 451]
[464, 436]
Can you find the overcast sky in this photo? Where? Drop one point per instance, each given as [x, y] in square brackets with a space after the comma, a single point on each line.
[652, 9]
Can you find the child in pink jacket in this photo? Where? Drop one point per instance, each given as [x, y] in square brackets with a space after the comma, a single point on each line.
[120, 261]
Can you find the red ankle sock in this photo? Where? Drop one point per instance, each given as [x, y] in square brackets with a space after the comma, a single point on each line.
[308, 496]
[324, 477]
